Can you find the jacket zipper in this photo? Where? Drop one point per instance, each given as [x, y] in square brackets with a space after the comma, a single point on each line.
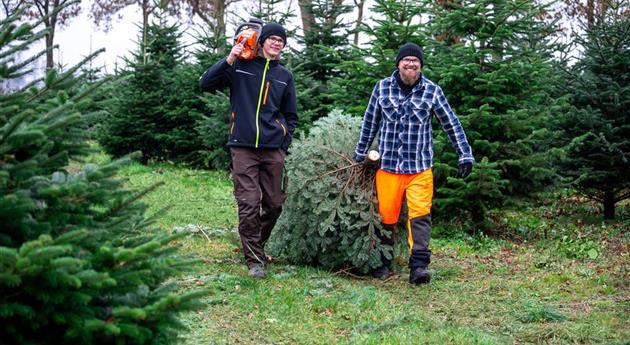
[262, 85]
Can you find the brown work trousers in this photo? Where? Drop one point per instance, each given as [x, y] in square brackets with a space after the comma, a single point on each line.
[260, 190]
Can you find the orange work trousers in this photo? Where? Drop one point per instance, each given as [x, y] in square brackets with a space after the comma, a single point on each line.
[418, 190]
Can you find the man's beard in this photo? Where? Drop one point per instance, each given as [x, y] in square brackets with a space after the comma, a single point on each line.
[409, 78]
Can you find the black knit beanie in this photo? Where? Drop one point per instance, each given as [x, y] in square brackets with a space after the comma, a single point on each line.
[272, 29]
[409, 49]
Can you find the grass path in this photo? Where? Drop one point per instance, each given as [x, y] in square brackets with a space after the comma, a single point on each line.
[496, 293]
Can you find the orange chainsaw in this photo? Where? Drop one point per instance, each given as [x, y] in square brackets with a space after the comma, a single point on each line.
[247, 34]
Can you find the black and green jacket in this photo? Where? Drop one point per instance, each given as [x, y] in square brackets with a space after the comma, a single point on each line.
[263, 109]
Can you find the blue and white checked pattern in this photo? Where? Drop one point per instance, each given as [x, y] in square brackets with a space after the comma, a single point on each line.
[404, 126]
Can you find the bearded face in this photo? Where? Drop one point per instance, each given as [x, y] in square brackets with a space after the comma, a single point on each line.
[409, 68]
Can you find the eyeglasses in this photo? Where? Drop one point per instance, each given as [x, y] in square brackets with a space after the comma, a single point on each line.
[275, 39]
[410, 60]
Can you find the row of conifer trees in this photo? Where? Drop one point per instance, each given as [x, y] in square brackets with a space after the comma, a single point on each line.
[535, 120]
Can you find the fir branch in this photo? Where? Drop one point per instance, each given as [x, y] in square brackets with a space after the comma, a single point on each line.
[15, 123]
[23, 46]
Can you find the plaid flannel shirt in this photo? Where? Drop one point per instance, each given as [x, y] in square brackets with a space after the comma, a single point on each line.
[404, 126]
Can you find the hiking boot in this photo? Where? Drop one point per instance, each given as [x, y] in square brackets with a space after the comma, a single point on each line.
[420, 275]
[381, 273]
[257, 271]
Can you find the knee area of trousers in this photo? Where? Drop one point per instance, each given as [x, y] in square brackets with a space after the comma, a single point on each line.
[248, 205]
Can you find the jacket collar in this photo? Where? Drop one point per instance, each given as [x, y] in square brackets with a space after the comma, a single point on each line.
[419, 85]
[263, 61]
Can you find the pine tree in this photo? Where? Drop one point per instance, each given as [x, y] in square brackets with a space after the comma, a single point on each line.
[155, 106]
[78, 261]
[496, 70]
[597, 160]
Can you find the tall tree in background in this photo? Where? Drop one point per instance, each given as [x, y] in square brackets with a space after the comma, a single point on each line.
[306, 14]
[497, 76]
[598, 154]
[214, 14]
[79, 263]
[272, 11]
[395, 23]
[587, 12]
[103, 11]
[53, 13]
[155, 107]
[213, 126]
[358, 23]
[10, 7]
[446, 36]
[326, 46]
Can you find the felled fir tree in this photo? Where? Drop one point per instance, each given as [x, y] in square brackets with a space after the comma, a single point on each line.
[78, 261]
[597, 159]
[330, 215]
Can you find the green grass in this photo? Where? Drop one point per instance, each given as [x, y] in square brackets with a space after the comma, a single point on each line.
[484, 291]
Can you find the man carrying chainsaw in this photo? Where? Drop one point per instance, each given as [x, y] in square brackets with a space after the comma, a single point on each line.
[400, 109]
[263, 117]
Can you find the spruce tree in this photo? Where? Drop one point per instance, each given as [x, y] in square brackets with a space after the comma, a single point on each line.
[326, 47]
[79, 262]
[395, 23]
[274, 11]
[213, 126]
[597, 159]
[155, 107]
[495, 67]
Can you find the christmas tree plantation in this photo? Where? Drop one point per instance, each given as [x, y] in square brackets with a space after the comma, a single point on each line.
[78, 264]
[330, 216]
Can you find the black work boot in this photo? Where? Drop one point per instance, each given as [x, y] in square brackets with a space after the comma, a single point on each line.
[384, 270]
[420, 275]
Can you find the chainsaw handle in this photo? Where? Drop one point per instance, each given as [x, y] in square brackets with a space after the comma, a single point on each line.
[239, 30]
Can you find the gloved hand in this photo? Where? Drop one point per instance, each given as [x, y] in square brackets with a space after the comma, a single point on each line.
[464, 170]
[358, 158]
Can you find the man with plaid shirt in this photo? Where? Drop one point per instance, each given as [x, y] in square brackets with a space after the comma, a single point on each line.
[400, 110]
